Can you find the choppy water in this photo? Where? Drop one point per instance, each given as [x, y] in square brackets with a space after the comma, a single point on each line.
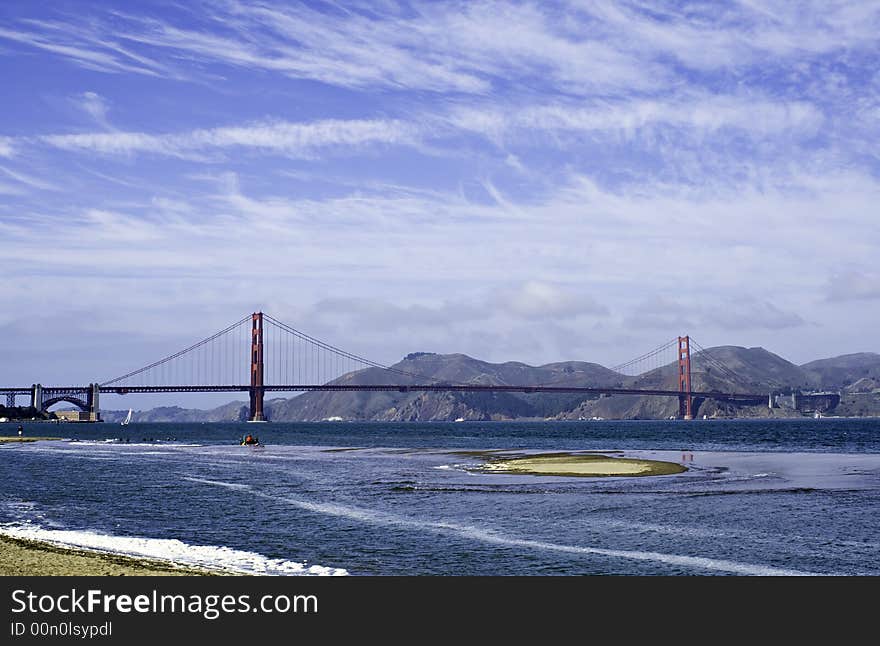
[782, 497]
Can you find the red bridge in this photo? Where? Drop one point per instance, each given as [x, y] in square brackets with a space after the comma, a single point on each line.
[260, 354]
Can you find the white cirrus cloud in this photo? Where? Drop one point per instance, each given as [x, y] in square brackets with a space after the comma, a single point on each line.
[276, 136]
[449, 48]
[574, 47]
[7, 148]
[697, 114]
[113, 143]
[93, 104]
[632, 119]
[84, 47]
[705, 36]
[462, 48]
[28, 180]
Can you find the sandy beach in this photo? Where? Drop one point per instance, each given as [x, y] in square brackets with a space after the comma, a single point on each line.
[19, 557]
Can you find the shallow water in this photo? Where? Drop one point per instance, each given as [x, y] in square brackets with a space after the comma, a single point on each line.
[782, 497]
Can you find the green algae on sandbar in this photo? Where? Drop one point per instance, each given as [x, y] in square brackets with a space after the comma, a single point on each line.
[581, 465]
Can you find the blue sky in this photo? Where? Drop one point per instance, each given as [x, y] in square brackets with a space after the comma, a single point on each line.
[514, 180]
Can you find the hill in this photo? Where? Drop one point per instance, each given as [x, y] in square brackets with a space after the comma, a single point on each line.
[449, 368]
[845, 371]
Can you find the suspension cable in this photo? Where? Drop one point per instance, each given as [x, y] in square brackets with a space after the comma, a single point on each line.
[647, 355]
[176, 354]
[712, 360]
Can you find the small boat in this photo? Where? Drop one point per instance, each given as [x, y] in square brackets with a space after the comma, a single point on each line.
[127, 419]
[250, 440]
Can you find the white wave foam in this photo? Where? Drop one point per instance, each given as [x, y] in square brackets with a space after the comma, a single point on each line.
[114, 442]
[487, 536]
[23, 511]
[227, 485]
[172, 550]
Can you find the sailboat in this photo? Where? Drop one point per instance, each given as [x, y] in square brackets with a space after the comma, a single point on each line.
[127, 419]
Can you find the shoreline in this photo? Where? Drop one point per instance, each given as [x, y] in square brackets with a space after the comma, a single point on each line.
[28, 557]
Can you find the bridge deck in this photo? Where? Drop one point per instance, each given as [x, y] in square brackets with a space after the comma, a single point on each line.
[124, 390]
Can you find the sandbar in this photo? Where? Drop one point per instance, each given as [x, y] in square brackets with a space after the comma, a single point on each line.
[581, 465]
[6, 440]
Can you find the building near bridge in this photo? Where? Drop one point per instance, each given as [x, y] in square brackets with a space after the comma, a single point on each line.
[813, 402]
[76, 416]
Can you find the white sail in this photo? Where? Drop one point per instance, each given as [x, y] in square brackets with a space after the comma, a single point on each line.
[127, 418]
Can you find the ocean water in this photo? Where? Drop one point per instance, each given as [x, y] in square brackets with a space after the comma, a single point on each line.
[759, 498]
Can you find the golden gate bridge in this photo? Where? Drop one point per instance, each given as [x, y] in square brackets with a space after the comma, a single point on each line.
[260, 354]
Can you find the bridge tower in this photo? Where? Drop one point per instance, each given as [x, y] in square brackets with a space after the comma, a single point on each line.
[37, 396]
[256, 389]
[685, 401]
[92, 398]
